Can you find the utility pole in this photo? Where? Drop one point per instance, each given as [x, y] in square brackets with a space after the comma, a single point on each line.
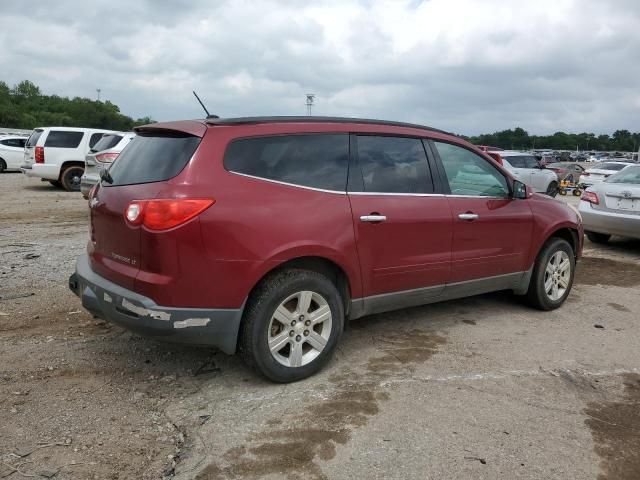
[98, 90]
[310, 98]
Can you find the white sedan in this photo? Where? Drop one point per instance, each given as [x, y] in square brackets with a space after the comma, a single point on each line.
[11, 152]
[599, 172]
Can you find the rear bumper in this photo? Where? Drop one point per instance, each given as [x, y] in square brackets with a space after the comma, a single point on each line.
[42, 170]
[106, 300]
[87, 182]
[608, 222]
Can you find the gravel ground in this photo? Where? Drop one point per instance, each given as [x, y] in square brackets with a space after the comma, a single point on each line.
[476, 388]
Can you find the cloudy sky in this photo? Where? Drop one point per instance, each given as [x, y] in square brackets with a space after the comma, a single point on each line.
[466, 66]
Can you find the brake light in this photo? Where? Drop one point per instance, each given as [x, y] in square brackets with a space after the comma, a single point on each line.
[163, 214]
[107, 157]
[39, 154]
[590, 197]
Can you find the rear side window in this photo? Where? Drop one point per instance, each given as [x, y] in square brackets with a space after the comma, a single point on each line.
[318, 160]
[106, 142]
[517, 161]
[153, 158]
[14, 142]
[393, 165]
[33, 138]
[610, 166]
[62, 139]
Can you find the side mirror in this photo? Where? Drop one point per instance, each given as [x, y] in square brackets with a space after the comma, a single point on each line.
[519, 190]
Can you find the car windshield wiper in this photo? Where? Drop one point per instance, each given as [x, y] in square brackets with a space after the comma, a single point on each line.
[105, 176]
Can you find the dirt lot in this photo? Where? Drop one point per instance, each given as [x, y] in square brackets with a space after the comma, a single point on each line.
[479, 388]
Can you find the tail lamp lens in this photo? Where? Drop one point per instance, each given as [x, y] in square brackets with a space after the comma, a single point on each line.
[163, 214]
[39, 154]
[107, 157]
[590, 197]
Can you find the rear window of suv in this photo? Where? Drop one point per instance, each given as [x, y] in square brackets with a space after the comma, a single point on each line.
[153, 158]
[33, 139]
[106, 142]
[63, 139]
[310, 160]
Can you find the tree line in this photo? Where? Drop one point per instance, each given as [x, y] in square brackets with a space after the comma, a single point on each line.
[25, 107]
[519, 139]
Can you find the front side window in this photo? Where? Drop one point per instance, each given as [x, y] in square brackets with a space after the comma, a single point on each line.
[393, 165]
[469, 174]
[63, 139]
[310, 160]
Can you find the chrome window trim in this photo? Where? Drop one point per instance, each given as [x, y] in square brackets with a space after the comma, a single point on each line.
[288, 184]
[398, 194]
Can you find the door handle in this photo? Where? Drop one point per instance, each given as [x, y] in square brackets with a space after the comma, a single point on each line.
[468, 216]
[373, 218]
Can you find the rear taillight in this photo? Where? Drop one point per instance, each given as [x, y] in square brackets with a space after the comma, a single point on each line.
[590, 197]
[163, 214]
[107, 157]
[39, 154]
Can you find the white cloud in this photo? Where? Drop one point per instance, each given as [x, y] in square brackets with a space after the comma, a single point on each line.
[460, 65]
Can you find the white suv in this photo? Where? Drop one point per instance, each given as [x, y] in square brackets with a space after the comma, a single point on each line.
[526, 168]
[11, 152]
[57, 154]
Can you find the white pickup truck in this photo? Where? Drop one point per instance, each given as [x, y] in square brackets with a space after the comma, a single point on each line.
[57, 154]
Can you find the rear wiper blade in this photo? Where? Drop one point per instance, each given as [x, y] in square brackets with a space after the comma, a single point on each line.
[105, 176]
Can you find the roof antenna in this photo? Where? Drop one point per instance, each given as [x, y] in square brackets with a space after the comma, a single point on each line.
[204, 108]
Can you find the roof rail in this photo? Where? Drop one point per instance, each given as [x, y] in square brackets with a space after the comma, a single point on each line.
[312, 119]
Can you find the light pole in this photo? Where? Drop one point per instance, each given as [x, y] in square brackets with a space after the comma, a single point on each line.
[310, 98]
[98, 90]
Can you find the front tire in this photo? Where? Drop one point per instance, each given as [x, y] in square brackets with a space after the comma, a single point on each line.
[596, 237]
[70, 178]
[292, 325]
[3, 165]
[552, 276]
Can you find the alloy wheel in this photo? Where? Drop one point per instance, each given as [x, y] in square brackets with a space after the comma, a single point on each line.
[557, 275]
[299, 329]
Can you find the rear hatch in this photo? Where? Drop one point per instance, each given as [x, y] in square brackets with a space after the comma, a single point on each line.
[29, 148]
[140, 172]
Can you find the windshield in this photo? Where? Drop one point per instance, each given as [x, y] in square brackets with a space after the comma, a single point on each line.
[628, 175]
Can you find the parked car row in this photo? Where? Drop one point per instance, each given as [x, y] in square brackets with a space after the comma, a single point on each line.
[61, 155]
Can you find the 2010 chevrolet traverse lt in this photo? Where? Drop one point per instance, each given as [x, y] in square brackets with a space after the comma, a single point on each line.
[265, 235]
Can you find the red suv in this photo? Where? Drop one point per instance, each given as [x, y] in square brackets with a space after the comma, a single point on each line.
[265, 235]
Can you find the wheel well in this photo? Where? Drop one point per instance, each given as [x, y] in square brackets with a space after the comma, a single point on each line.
[568, 234]
[321, 265]
[69, 164]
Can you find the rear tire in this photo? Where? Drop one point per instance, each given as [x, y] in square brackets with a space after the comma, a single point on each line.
[292, 325]
[552, 276]
[70, 178]
[3, 165]
[596, 237]
[552, 189]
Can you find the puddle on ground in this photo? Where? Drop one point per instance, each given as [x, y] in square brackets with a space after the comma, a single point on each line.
[315, 433]
[603, 271]
[615, 428]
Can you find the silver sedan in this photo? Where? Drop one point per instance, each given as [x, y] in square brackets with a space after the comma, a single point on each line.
[612, 207]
